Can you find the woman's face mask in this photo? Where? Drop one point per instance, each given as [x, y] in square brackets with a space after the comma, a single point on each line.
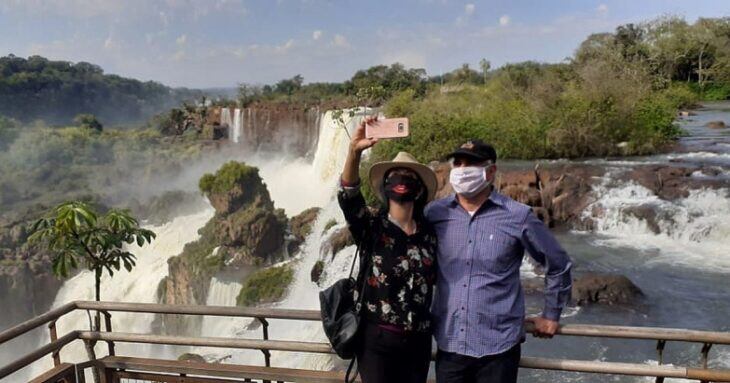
[402, 188]
[469, 181]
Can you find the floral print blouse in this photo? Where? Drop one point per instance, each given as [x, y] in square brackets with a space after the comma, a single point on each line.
[402, 268]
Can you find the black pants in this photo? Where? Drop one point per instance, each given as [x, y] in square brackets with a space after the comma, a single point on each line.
[456, 368]
[384, 356]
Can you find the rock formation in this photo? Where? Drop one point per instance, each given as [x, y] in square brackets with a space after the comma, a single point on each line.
[246, 231]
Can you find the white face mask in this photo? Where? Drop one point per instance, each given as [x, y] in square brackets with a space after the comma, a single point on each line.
[469, 181]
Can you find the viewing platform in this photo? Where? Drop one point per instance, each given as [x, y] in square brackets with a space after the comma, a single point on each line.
[123, 368]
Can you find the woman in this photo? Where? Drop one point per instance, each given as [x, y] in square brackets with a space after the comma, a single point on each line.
[398, 254]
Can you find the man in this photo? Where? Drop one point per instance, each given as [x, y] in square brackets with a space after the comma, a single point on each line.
[479, 307]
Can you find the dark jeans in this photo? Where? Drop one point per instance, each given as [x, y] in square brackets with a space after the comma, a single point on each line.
[384, 356]
[456, 368]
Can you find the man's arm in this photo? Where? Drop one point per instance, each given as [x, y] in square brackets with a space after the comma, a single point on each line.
[545, 249]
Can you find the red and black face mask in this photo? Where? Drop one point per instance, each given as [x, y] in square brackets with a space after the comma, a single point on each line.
[402, 188]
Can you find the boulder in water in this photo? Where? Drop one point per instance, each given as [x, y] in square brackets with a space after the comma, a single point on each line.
[316, 272]
[337, 241]
[604, 289]
[589, 288]
[716, 125]
[301, 226]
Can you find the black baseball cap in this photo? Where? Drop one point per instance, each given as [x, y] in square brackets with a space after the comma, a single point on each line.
[475, 149]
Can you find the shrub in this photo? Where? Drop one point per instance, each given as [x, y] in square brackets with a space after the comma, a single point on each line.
[229, 175]
[265, 286]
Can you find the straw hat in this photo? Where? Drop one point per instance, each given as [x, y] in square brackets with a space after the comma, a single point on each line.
[407, 161]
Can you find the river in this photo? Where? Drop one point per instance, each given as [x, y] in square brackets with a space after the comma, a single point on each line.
[683, 269]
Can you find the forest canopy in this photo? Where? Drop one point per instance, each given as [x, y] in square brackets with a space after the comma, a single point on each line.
[56, 91]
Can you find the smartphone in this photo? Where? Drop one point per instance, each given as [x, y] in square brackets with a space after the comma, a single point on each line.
[387, 128]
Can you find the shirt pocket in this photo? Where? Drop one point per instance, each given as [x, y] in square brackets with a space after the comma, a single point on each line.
[495, 251]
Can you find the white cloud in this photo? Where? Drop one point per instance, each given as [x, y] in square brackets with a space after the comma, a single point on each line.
[504, 20]
[181, 40]
[340, 41]
[469, 9]
[316, 35]
[108, 43]
[602, 8]
[284, 48]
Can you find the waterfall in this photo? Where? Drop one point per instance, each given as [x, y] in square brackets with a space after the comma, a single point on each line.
[236, 128]
[139, 285]
[315, 185]
[692, 231]
[226, 120]
[295, 185]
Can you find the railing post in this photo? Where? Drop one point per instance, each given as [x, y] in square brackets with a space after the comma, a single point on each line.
[92, 356]
[265, 328]
[705, 353]
[108, 325]
[54, 336]
[660, 357]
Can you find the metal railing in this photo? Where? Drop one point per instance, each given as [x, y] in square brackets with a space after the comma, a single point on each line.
[90, 338]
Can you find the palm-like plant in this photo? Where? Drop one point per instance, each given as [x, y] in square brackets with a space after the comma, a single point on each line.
[76, 234]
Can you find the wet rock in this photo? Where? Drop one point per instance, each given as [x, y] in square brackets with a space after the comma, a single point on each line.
[716, 125]
[590, 288]
[671, 182]
[646, 213]
[316, 272]
[337, 241]
[300, 227]
[604, 289]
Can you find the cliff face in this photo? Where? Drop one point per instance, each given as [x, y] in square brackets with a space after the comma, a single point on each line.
[26, 282]
[271, 127]
[246, 231]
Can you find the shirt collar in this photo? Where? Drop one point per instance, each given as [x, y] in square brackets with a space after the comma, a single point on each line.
[494, 197]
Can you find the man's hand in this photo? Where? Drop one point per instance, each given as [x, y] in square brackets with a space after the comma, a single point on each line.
[543, 327]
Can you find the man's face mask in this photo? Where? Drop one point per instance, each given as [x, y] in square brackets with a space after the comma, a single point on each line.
[402, 188]
[469, 181]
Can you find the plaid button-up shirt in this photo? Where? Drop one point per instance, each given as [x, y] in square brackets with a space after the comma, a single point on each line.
[479, 305]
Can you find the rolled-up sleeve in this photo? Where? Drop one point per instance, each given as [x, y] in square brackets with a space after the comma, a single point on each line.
[545, 249]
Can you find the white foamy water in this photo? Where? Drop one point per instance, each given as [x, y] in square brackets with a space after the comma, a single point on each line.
[139, 285]
[221, 293]
[693, 231]
[298, 185]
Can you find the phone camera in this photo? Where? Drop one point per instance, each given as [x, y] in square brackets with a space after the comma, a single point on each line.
[401, 127]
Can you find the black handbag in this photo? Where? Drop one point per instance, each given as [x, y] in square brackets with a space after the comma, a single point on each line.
[340, 313]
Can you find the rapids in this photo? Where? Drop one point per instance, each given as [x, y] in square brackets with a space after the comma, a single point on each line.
[682, 268]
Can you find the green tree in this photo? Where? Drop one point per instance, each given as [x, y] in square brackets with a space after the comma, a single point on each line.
[485, 65]
[76, 234]
[88, 121]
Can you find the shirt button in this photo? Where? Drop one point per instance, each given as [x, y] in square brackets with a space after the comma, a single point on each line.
[468, 263]
[470, 241]
[462, 308]
[464, 284]
[462, 330]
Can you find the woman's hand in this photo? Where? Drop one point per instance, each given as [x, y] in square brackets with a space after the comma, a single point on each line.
[359, 141]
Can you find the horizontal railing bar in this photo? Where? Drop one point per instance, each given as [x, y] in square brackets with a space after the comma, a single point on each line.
[37, 354]
[255, 344]
[614, 368]
[36, 322]
[526, 362]
[625, 332]
[651, 333]
[250, 312]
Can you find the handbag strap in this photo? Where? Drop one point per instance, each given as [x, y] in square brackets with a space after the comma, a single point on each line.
[349, 370]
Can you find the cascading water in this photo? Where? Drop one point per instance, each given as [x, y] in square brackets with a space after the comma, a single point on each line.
[139, 285]
[236, 127]
[227, 121]
[316, 186]
[692, 232]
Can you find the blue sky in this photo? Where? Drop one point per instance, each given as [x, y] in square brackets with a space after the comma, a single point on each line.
[220, 43]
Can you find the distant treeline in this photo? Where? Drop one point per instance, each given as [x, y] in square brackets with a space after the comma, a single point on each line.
[56, 91]
[666, 49]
